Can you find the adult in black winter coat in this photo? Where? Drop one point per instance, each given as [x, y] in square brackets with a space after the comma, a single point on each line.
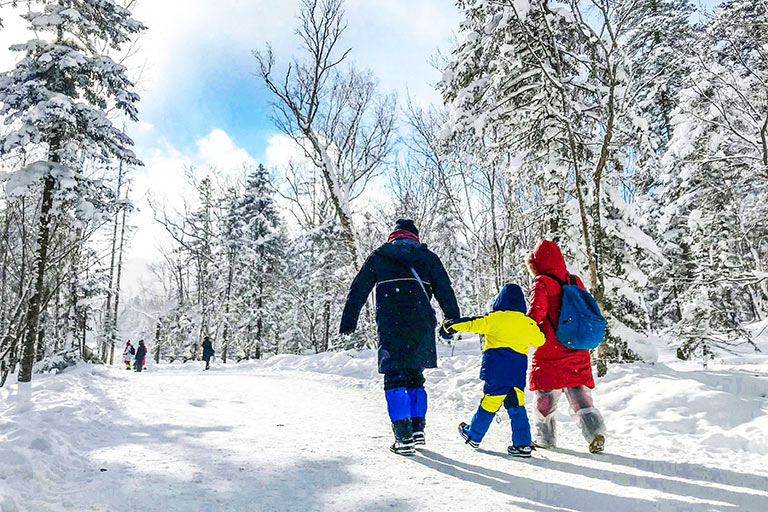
[141, 353]
[207, 352]
[406, 275]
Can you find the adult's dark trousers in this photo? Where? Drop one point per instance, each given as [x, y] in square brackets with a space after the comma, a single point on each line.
[406, 401]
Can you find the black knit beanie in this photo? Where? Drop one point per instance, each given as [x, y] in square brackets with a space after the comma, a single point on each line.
[408, 225]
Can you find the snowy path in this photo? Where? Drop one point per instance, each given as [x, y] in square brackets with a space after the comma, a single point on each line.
[252, 439]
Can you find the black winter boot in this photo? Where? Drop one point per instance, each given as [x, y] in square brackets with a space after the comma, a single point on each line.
[418, 425]
[404, 444]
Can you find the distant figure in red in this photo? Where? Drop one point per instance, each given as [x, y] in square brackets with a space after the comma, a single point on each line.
[555, 367]
[141, 356]
[128, 354]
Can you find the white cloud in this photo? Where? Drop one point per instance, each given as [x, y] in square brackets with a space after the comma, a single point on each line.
[144, 126]
[282, 150]
[185, 36]
[164, 181]
[217, 149]
[394, 38]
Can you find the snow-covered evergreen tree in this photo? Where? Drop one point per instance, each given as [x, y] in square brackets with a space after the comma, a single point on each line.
[55, 102]
[255, 226]
[316, 286]
[712, 191]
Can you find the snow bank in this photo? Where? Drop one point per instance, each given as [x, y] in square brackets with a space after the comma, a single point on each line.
[349, 363]
[676, 407]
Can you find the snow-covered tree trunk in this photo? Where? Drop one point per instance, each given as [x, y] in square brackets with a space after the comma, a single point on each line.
[342, 125]
[110, 323]
[28, 348]
[116, 310]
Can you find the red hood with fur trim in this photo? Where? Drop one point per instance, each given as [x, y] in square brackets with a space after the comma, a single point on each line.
[547, 258]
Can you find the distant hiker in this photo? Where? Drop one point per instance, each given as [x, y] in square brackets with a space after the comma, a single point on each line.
[141, 354]
[554, 366]
[406, 275]
[128, 354]
[207, 352]
[508, 333]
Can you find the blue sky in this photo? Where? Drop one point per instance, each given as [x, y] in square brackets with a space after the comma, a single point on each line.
[200, 71]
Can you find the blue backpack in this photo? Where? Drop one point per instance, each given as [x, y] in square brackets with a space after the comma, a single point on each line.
[581, 326]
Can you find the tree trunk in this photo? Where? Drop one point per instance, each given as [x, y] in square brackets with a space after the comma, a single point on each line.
[338, 202]
[43, 240]
[259, 323]
[4, 269]
[107, 336]
[228, 297]
[598, 285]
[764, 139]
[327, 325]
[158, 332]
[113, 331]
[40, 349]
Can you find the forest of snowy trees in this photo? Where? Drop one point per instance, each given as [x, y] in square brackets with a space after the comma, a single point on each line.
[632, 132]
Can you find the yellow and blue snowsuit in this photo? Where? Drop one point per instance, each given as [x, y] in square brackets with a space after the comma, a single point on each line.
[508, 334]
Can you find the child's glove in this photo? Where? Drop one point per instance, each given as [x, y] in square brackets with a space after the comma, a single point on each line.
[446, 331]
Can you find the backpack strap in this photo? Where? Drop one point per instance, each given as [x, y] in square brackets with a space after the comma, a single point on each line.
[569, 279]
[421, 283]
[554, 277]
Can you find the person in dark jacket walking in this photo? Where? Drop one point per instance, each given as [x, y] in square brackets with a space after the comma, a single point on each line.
[141, 354]
[207, 352]
[406, 275]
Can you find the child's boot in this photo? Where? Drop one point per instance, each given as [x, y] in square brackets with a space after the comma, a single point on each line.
[598, 444]
[464, 433]
[593, 428]
[521, 432]
[519, 451]
[474, 433]
[545, 432]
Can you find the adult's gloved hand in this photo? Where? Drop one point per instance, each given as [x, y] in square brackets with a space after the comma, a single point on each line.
[446, 332]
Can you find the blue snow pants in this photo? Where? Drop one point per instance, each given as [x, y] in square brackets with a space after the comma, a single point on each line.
[513, 399]
[406, 397]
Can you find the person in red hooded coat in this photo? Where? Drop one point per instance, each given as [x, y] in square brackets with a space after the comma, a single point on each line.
[554, 367]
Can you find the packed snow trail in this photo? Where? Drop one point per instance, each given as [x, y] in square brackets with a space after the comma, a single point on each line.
[248, 438]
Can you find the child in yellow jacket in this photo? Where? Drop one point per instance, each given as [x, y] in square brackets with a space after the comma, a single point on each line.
[508, 333]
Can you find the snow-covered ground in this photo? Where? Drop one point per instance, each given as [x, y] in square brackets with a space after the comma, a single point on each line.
[311, 433]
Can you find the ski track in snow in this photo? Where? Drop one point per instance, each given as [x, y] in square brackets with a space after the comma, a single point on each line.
[258, 437]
